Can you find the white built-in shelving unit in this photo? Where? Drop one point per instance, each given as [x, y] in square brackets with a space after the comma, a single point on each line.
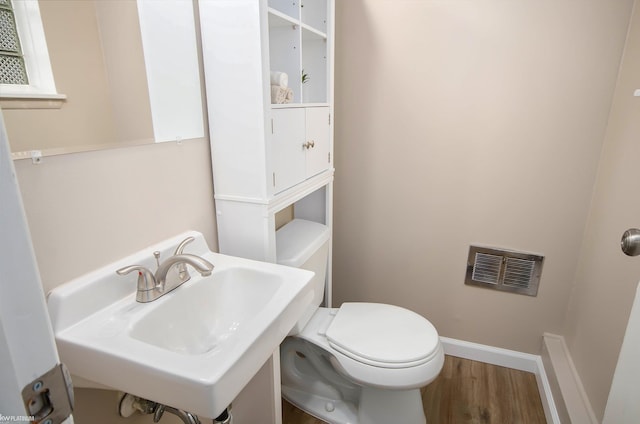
[268, 157]
[297, 42]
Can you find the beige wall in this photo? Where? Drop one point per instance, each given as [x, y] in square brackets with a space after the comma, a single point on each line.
[468, 122]
[456, 123]
[72, 37]
[121, 41]
[86, 210]
[101, 407]
[96, 59]
[606, 280]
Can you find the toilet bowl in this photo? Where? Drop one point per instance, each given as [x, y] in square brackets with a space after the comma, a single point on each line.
[361, 363]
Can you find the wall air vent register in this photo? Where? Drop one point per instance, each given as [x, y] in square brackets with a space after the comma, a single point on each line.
[505, 270]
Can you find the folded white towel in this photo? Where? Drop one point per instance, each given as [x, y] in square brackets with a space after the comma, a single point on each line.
[280, 79]
[281, 95]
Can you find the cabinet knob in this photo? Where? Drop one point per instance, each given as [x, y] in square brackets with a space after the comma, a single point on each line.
[309, 144]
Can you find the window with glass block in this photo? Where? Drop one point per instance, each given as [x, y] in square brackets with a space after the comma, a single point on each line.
[12, 67]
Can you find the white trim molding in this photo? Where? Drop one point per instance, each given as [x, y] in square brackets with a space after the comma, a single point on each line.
[571, 399]
[510, 359]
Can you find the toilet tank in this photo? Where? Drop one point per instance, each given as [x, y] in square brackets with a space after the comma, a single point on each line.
[305, 244]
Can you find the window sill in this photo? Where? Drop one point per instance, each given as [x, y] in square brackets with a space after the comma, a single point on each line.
[32, 101]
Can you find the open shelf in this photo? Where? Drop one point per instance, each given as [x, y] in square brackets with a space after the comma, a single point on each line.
[297, 45]
[314, 14]
[277, 19]
[290, 8]
[292, 105]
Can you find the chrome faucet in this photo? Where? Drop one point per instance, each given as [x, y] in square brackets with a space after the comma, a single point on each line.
[183, 274]
[170, 281]
[170, 274]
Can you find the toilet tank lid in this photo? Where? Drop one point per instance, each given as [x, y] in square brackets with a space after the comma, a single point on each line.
[298, 240]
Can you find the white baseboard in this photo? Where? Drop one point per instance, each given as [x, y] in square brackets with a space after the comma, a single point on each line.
[510, 359]
[571, 399]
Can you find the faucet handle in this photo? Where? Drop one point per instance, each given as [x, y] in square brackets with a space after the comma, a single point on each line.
[183, 273]
[146, 280]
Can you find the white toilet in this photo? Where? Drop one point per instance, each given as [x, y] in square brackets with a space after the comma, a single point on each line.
[362, 363]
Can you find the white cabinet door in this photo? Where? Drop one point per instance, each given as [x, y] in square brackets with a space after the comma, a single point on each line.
[288, 150]
[317, 125]
[301, 144]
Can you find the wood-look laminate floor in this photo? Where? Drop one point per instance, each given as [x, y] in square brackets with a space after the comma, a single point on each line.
[468, 392]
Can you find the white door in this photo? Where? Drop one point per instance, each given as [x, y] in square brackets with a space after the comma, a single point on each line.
[623, 406]
[288, 139]
[29, 363]
[317, 123]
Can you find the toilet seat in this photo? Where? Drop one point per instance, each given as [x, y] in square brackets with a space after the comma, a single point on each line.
[359, 363]
[382, 335]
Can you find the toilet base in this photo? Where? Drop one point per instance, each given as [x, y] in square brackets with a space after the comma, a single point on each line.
[333, 411]
[375, 406]
[378, 406]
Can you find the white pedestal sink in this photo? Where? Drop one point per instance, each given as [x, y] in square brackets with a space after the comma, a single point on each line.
[194, 348]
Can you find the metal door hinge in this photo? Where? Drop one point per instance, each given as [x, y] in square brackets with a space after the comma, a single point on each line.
[329, 119]
[329, 157]
[271, 125]
[49, 398]
[274, 179]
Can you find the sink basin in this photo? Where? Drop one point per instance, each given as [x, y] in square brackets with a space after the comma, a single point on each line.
[194, 348]
[201, 318]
